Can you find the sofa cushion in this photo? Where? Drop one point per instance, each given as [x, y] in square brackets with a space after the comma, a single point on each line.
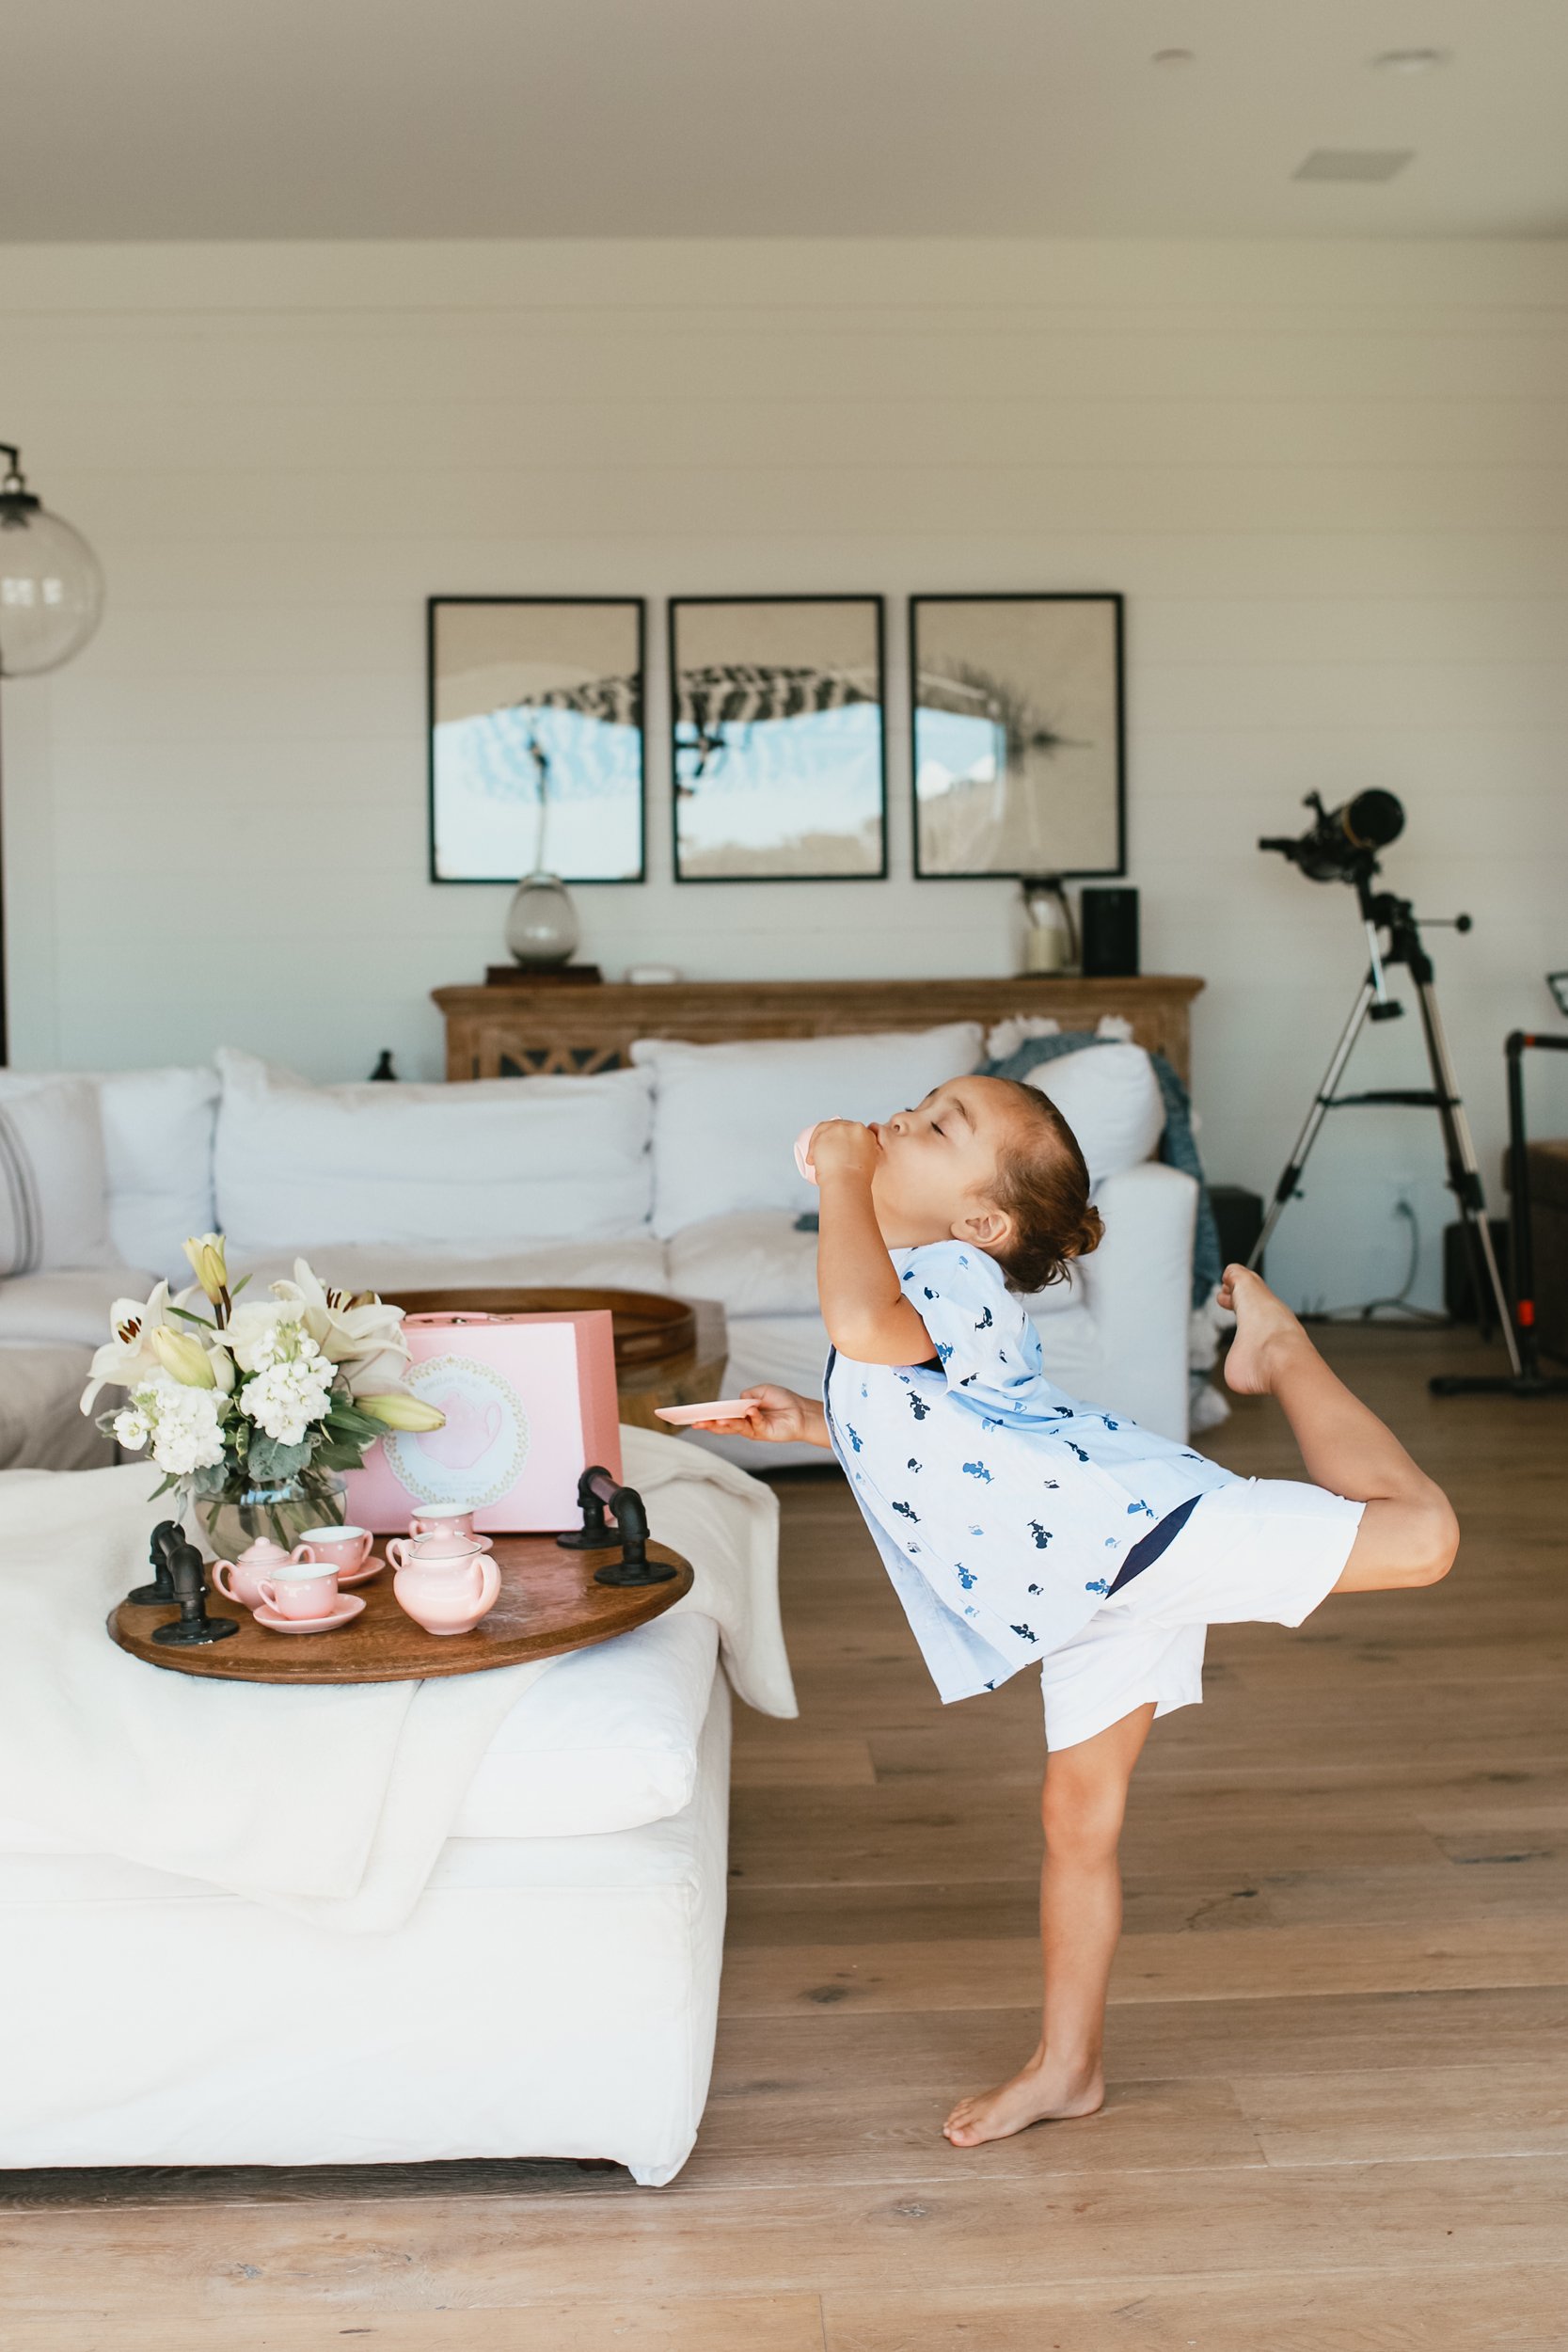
[605, 1741]
[501, 1163]
[1110, 1097]
[755, 1262]
[727, 1117]
[54, 1175]
[158, 1141]
[42, 1425]
[69, 1308]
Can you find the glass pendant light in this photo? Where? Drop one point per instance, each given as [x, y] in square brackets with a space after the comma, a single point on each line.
[50, 587]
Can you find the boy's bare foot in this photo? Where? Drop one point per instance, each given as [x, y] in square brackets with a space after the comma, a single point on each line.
[1264, 1324]
[1042, 2093]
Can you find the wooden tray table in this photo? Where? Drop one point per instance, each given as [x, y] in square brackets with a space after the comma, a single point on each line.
[549, 1604]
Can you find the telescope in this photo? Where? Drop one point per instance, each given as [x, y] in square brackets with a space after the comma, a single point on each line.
[1342, 843]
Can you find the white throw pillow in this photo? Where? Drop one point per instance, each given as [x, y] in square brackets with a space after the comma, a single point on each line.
[1111, 1099]
[503, 1160]
[158, 1140]
[605, 1741]
[727, 1117]
[54, 1178]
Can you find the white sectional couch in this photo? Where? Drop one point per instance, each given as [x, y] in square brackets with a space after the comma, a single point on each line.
[675, 1175]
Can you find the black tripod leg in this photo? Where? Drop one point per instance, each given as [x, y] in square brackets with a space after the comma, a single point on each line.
[1463, 1172]
[1285, 1189]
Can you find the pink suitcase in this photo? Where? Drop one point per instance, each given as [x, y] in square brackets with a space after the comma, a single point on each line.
[530, 1401]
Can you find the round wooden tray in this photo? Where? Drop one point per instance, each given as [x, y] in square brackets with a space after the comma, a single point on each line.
[649, 1328]
[549, 1604]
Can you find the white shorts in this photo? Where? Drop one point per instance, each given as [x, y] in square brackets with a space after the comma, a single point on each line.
[1259, 1551]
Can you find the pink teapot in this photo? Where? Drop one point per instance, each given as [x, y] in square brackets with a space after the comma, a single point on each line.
[241, 1580]
[445, 1580]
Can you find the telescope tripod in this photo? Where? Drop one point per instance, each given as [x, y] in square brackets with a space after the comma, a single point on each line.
[1381, 911]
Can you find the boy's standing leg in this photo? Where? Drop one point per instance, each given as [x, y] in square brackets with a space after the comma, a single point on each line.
[1082, 1806]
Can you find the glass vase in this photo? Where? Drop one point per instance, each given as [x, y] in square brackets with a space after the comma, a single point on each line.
[282, 1509]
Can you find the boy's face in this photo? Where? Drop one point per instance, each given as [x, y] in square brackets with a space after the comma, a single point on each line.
[936, 1165]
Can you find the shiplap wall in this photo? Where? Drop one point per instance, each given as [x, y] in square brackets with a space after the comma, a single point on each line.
[1331, 480]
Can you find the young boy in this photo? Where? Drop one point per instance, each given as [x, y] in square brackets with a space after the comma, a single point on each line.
[1021, 1526]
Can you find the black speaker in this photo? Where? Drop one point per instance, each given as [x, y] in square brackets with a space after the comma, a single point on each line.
[1108, 920]
[1239, 1220]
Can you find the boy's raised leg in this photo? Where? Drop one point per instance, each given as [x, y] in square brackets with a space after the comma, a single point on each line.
[1408, 1532]
[1082, 1806]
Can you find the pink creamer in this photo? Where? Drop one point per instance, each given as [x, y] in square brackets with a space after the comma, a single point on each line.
[530, 1403]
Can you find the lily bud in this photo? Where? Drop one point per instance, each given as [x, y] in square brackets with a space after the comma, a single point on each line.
[208, 1263]
[181, 1357]
[402, 1411]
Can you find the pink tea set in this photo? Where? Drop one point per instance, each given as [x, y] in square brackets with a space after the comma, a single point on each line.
[444, 1578]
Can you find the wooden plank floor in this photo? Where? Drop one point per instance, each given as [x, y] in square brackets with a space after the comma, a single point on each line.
[1338, 2104]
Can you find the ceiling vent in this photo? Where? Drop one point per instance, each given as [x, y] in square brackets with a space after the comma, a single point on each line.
[1354, 163]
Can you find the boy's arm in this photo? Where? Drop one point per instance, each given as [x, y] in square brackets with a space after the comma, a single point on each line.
[868, 1315]
[778, 1417]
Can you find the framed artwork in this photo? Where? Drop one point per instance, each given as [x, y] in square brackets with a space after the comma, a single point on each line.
[536, 738]
[778, 744]
[1016, 722]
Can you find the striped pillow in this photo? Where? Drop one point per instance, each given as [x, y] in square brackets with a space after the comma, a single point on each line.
[54, 1181]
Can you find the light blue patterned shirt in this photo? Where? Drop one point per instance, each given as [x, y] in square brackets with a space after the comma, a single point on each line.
[1002, 1506]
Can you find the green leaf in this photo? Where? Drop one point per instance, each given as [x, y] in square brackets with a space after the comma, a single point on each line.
[187, 1315]
[340, 1454]
[345, 1419]
[269, 1459]
[235, 1288]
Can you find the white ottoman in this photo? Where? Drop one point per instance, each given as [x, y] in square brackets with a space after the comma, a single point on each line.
[552, 1994]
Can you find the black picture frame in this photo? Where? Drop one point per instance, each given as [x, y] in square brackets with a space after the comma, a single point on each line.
[878, 609]
[637, 605]
[1115, 691]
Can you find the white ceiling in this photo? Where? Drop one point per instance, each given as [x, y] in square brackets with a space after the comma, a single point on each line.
[201, 118]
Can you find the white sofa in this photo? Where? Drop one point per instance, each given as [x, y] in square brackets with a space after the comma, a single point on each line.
[675, 1176]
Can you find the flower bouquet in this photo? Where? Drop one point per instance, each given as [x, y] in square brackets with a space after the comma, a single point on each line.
[253, 1410]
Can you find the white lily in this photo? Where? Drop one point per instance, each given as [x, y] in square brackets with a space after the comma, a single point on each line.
[129, 1356]
[357, 1331]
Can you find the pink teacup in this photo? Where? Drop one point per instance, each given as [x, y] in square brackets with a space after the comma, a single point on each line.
[344, 1549]
[303, 1589]
[241, 1580]
[431, 1515]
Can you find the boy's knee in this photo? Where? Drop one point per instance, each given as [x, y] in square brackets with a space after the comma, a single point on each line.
[1435, 1541]
[1082, 1825]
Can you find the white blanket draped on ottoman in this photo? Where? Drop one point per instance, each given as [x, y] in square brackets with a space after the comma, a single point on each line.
[329, 1803]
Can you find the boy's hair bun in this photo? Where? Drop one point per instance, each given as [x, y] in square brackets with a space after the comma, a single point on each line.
[1043, 1186]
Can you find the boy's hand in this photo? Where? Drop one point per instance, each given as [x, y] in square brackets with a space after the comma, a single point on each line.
[842, 1147]
[777, 1416]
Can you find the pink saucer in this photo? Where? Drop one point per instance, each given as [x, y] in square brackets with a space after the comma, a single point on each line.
[373, 1565]
[803, 1148]
[727, 1408]
[349, 1606]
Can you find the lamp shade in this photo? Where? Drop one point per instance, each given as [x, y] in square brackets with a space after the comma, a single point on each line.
[50, 587]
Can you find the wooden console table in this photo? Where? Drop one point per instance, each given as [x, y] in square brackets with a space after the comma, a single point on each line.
[523, 1030]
